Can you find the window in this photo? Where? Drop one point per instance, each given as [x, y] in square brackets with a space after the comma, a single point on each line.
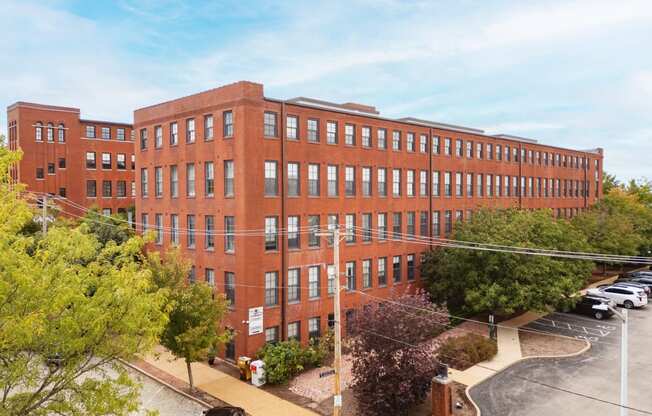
[208, 127]
[174, 181]
[62, 192]
[382, 138]
[294, 285]
[397, 225]
[50, 168]
[396, 268]
[411, 226]
[271, 234]
[120, 134]
[174, 233]
[143, 138]
[39, 173]
[229, 234]
[38, 132]
[158, 181]
[458, 184]
[507, 188]
[174, 134]
[61, 133]
[121, 189]
[498, 185]
[106, 133]
[436, 227]
[332, 180]
[192, 275]
[106, 212]
[331, 132]
[190, 179]
[409, 181]
[396, 140]
[271, 182]
[409, 142]
[91, 189]
[293, 232]
[447, 146]
[292, 127]
[313, 179]
[448, 221]
[382, 226]
[423, 143]
[158, 228]
[458, 147]
[209, 231]
[458, 215]
[294, 330]
[229, 287]
[479, 150]
[330, 277]
[106, 161]
[423, 183]
[271, 334]
[507, 154]
[313, 224]
[435, 184]
[489, 183]
[382, 182]
[209, 179]
[269, 127]
[349, 228]
[366, 227]
[469, 149]
[271, 288]
[349, 181]
[333, 223]
[144, 219]
[158, 137]
[396, 182]
[447, 183]
[90, 133]
[382, 271]
[349, 134]
[349, 268]
[190, 130]
[313, 328]
[50, 132]
[133, 162]
[313, 282]
[469, 185]
[229, 175]
[366, 137]
[144, 182]
[190, 236]
[121, 161]
[210, 277]
[90, 160]
[366, 273]
[62, 163]
[490, 151]
[227, 121]
[515, 185]
[423, 223]
[409, 259]
[313, 130]
[366, 181]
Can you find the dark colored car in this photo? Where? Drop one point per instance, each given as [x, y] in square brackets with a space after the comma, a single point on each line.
[595, 306]
[225, 411]
[647, 281]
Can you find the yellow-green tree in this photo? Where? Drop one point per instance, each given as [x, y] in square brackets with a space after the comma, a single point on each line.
[70, 310]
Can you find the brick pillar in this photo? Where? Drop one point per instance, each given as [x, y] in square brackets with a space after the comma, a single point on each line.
[442, 398]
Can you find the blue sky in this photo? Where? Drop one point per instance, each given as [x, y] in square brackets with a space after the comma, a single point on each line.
[570, 73]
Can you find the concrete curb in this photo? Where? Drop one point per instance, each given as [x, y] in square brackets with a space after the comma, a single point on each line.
[166, 384]
[574, 354]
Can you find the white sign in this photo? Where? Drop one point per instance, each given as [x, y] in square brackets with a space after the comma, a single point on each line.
[255, 321]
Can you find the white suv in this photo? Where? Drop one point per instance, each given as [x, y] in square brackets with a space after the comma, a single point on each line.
[629, 297]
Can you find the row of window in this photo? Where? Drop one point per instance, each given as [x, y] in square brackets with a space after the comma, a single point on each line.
[108, 189]
[105, 133]
[190, 176]
[190, 230]
[190, 132]
[90, 132]
[107, 161]
[408, 140]
[52, 168]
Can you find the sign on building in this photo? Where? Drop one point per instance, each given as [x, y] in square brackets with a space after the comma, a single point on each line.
[256, 320]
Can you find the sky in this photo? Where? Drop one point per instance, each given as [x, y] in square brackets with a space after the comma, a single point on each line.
[576, 74]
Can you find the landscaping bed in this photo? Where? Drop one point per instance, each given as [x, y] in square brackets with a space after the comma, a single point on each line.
[533, 344]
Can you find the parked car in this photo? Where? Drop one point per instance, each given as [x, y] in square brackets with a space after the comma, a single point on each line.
[640, 273]
[647, 281]
[621, 283]
[595, 306]
[627, 296]
[225, 411]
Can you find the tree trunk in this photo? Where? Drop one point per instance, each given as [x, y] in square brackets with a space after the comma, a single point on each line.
[192, 385]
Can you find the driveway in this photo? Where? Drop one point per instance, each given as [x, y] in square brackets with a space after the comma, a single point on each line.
[594, 373]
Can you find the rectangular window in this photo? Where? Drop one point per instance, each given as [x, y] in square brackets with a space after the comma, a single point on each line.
[144, 182]
[313, 130]
[271, 288]
[158, 137]
[174, 134]
[489, 182]
[396, 140]
[208, 127]
[469, 185]
[158, 181]
[397, 225]
[366, 273]
[366, 227]
[209, 230]
[333, 222]
[90, 160]
[332, 180]
[490, 151]
[458, 147]
[120, 161]
[313, 282]
[209, 179]
[292, 127]
[396, 182]
[349, 268]
[331, 132]
[423, 143]
[271, 179]
[447, 146]
[229, 178]
[447, 183]
[382, 138]
[349, 181]
[458, 184]
[144, 220]
[423, 223]
[120, 134]
[423, 183]
[121, 189]
[229, 287]
[409, 142]
[190, 130]
[499, 152]
[366, 181]
[515, 185]
[366, 137]
[271, 334]
[436, 189]
[498, 182]
[314, 331]
[91, 188]
[293, 232]
[396, 268]
[133, 162]
[448, 222]
[507, 154]
[227, 124]
[349, 228]
[158, 228]
[174, 229]
[479, 150]
[507, 188]
[190, 236]
[62, 162]
[143, 138]
[294, 285]
[90, 132]
[50, 168]
[229, 234]
[382, 271]
[409, 182]
[293, 179]
[349, 134]
[106, 161]
[190, 179]
[382, 226]
[106, 133]
[294, 331]
[411, 226]
[62, 192]
[313, 179]
[382, 182]
[458, 215]
[409, 259]
[210, 277]
[313, 224]
[479, 184]
[436, 224]
[192, 275]
[269, 128]
[469, 149]
[271, 233]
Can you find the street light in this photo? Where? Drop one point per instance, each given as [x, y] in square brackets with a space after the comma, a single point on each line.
[623, 359]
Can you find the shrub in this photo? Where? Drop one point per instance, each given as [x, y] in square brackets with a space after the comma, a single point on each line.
[467, 350]
[284, 360]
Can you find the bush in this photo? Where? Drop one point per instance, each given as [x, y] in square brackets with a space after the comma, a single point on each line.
[284, 360]
[466, 351]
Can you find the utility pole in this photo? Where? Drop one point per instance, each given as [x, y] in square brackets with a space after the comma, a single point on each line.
[45, 214]
[623, 360]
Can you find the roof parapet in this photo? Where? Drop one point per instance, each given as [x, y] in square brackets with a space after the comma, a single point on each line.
[441, 125]
[517, 138]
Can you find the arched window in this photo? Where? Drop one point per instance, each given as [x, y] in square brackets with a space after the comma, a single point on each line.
[39, 131]
[50, 132]
[62, 133]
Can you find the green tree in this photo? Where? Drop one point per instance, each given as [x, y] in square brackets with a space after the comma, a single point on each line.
[609, 182]
[196, 314]
[70, 310]
[472, 281]
[112, 228]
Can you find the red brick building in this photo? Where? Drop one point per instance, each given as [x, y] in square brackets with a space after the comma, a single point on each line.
[89, 162]
[241, 182]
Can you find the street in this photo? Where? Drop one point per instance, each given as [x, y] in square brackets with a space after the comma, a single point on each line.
[594, 373]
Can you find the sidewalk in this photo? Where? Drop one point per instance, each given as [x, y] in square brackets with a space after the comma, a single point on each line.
[255, 401]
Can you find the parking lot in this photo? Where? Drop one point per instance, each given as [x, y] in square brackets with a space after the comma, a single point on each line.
[546, 387]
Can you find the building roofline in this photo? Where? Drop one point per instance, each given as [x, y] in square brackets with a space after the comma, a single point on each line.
[115, 123]
[437, 125]
[517, 138]
[42, 107]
